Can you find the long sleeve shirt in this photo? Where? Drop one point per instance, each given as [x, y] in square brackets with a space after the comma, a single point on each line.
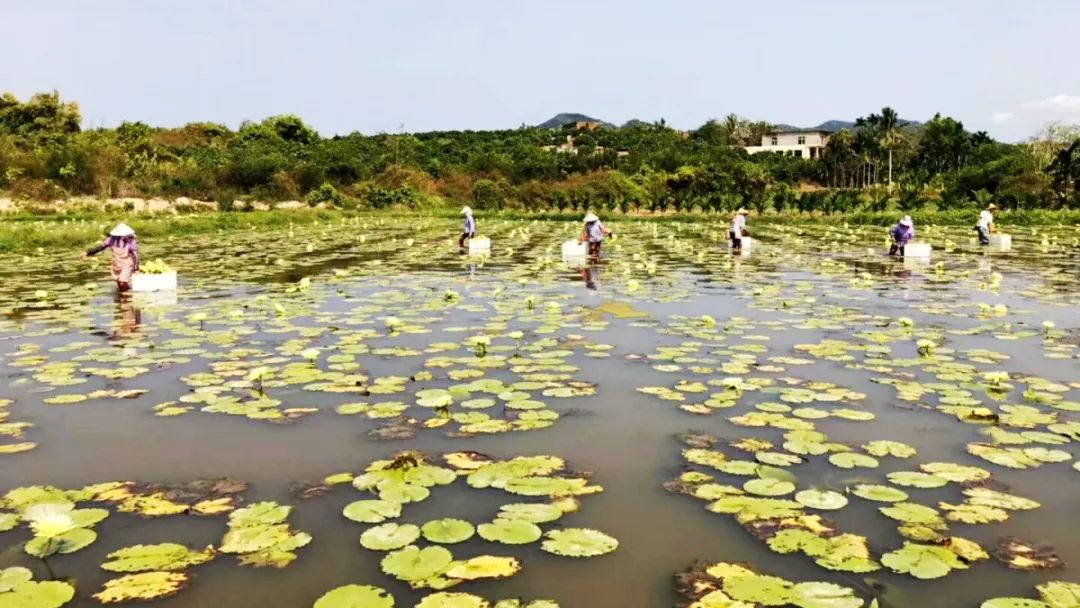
[902, 234]
[117, 241]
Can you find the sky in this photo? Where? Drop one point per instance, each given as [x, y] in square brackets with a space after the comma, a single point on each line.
[1004, 66]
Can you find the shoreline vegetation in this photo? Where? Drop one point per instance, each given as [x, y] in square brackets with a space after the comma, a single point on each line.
[26, 231]
[878, 164]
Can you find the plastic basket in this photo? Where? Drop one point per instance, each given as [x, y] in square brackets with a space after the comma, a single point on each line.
[746, 244]
[917, 250]
[153, 282]
[574, 249]
[480, 245]
[1001, 242]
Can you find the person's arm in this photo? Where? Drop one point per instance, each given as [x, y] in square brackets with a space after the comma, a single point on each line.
[96, 249]
[135, 254]
[604, 229]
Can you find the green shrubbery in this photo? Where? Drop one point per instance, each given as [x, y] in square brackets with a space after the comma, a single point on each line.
[641, 166]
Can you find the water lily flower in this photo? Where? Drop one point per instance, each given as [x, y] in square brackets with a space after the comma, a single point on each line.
[310, 354]
[50, 520]
[925, 347]
[905, 321]
[392, 323]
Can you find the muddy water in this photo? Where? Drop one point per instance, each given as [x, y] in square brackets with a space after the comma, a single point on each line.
[627, 439]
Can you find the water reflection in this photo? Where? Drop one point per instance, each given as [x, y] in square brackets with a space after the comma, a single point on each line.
[127, 317]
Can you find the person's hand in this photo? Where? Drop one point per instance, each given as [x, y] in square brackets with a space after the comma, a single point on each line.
[82, 256]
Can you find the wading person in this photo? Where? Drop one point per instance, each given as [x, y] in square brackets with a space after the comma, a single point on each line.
[737, 230]
[593, 234]
[125, 254]
[902, 234]
[470, 227]
[985, 227]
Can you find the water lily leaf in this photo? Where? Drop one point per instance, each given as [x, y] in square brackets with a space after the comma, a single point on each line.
[18, 591]
[253, 538]
[1020, 554]
[355, 596]
[538, 486]
[850, 460]
[922, 561]
[259, 514]
[68, 542]
[413, 563]
[1060, 594]
[912, 513]
[1012, 602]
[769, 487]
[390, 536]
[163, 557]
[889, 448]
[879, 493]
[1001, 500]
[484, 566]
[825, 595]
[141, 587]
[510, 531]
[822, 499]
[453, 600]
[973, 514]
[372, 511]
[915, 479]
[578, 542]
[447, 531]
[537, 513]
[760, 589]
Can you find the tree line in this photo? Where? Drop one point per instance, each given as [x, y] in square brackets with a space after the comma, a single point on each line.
[878, 164]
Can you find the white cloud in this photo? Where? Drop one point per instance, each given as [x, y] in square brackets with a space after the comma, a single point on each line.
[1001, 118]
[1058, 103]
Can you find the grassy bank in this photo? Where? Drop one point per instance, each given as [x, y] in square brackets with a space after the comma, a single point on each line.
[22, 232]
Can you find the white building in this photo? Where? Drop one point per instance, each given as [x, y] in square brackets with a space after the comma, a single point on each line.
[804, 143]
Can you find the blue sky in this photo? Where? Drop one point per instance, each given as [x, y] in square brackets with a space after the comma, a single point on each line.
[1005, 66]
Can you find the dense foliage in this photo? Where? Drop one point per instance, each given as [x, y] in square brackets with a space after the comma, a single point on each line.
[877, 165]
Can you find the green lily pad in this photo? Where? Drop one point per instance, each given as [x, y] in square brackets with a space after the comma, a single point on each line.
[447, 531]
[822, 499]
[372, 511]
[390, 536]
[355, 596]
[578, 542]
[413, 563]
[510, 531]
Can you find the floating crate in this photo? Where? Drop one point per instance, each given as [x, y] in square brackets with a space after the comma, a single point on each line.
[153, 282]
[480, 244]
[1001, 242]
[920, 251]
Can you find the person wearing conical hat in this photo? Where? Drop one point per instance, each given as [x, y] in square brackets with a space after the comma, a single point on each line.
[125, 254]
[593, 233]
[737, 229]
[902, 234]
[470, 226]
[985, 227]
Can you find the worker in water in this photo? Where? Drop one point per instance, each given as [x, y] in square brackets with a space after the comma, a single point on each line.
[985, 227]
[470, 227]
[737, 230]
[902, 234]
[593, 233]
[125, 254]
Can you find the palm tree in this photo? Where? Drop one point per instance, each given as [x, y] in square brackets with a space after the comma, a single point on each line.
[890, 135]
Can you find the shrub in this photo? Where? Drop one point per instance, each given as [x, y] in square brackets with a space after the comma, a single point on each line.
[326, 193]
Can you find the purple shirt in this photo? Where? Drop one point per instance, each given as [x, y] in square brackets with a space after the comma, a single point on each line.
[470, 224]
[902, 234]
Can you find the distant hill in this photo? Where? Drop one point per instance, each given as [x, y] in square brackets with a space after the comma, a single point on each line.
[835, 125]
[559, 120]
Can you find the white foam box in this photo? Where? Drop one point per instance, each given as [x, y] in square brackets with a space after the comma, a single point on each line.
[480, 245]
[746, 242]
[917, 250]
[574, 249]
[1001, 242]
[153, 282]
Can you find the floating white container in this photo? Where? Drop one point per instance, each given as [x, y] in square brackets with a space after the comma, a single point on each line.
[1001, 242]
[745, 249]
[574, 249]
[480, 245]
[917, 251]
[153, 282]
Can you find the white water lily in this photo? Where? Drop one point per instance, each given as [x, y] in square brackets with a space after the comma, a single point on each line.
[310, 354]
[392, 323]
[905, 321]
[50, 520]
[926, 347]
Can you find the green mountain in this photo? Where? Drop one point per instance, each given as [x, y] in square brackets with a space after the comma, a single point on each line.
[559, 120]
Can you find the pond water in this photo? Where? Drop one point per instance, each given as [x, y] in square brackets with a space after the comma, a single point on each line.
[814, 345]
